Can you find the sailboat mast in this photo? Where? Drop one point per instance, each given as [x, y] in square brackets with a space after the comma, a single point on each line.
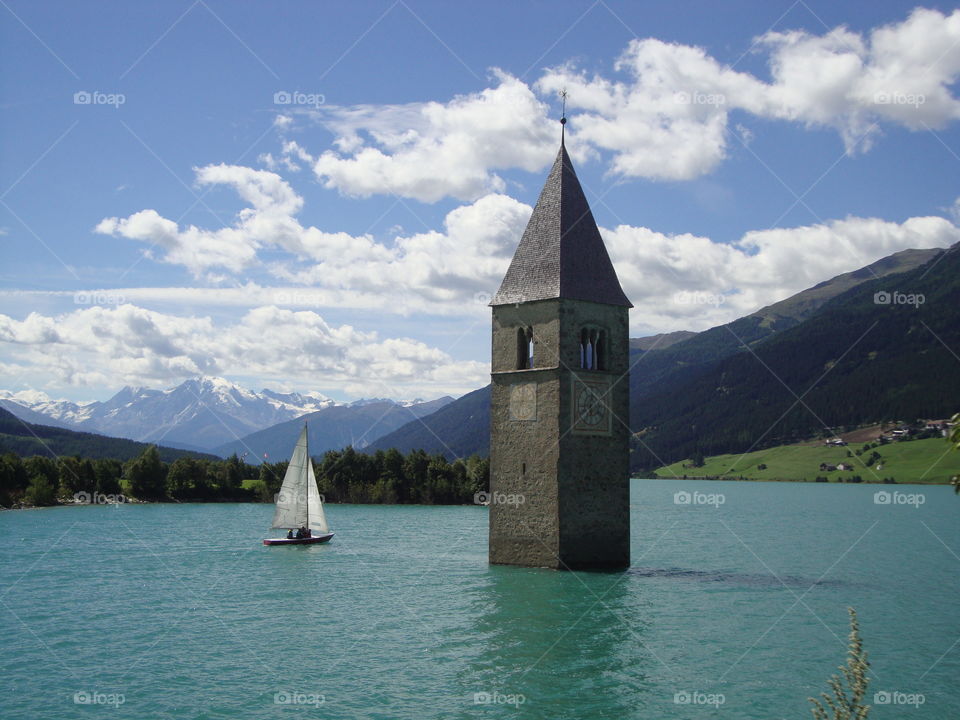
[306, 473]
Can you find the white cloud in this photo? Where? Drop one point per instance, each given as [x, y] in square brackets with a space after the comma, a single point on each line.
[670, 118]
[103, 346]
[664, 113]
[668, 121]
[690, 282]
[413, 273]
[455, 271]
[290, 158]
[425, 269]
[268, 222]
[432, 150]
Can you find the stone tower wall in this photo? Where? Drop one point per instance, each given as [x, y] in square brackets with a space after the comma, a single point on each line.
[559, 495]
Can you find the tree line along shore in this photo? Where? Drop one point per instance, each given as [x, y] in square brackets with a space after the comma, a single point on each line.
[385, 477]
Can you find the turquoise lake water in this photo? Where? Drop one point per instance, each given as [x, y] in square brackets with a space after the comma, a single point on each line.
[733, 610]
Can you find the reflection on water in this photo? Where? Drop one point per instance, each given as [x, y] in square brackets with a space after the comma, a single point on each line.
[558, 641]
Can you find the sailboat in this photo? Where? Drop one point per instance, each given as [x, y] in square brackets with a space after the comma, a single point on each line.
[299, 504]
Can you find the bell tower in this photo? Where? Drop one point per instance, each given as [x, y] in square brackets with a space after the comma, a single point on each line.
[559, 440]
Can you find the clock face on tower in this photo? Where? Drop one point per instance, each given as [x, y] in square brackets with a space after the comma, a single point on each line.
[591, 412]
[523, 401]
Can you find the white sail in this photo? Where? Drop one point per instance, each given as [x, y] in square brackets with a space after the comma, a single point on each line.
[292, 504]
[318, 519]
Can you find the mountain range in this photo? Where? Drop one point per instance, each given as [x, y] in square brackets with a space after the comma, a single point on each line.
[198, 414]
[332, 428]
[830, 355]
[681, 399]
[220, 417]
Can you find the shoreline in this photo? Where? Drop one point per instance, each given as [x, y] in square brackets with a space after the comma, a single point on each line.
[804, 481]
[134, 501]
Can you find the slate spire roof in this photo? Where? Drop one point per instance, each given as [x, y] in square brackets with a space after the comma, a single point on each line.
[561, 253]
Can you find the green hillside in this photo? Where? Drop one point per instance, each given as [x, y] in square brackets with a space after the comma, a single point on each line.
[856, 362]
[929, 461]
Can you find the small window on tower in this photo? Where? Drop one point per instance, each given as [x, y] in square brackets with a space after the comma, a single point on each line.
[593, 349]
[524, 348]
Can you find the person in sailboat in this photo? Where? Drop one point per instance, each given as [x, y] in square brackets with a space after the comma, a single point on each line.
[290, 534]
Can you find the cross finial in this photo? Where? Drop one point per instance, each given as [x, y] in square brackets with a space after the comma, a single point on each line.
[563, 114]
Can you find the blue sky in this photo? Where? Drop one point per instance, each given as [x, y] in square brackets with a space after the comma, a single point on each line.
[166, 212]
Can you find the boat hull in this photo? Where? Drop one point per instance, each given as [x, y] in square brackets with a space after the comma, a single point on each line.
[316, 539]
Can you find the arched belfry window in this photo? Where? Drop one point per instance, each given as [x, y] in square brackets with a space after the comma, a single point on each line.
[593, 349]
[524, 348]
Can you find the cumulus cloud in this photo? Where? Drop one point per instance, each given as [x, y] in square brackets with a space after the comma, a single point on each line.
[466, 259]
[664, 112]
[430, 271]
[454, 271]
[669, 119]
[675, 281]
[432, 150]
[268, 222]
[691, 282]
[98, 346]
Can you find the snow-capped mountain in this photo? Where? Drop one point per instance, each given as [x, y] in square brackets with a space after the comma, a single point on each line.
[64, 411]
[199, 413]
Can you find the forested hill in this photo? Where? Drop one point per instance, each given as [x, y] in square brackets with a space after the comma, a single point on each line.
[684, 360]
[25, 439]
[858, 360]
